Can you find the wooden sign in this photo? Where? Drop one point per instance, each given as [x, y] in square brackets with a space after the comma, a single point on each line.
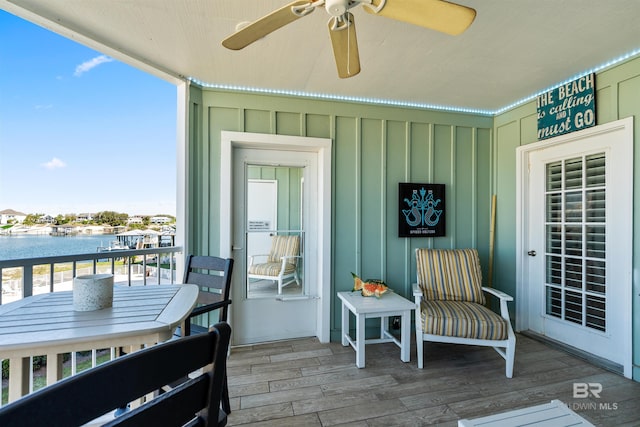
[567, 108]
[422, 210]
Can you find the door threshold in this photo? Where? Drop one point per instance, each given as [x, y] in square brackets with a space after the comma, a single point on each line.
[581, 354]
[271, 342]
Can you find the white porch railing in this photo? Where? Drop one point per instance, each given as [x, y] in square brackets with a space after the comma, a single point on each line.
[19, 278]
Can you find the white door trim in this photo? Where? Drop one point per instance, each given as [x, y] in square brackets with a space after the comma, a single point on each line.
[322, 146]
[522, 219]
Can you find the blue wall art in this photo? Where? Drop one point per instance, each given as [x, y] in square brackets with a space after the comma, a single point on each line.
[422, 210]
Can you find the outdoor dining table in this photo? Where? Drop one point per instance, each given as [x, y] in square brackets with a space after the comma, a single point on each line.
[47, 324]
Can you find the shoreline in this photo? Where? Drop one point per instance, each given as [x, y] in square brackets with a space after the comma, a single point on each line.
[80, 230]
[84, 230]
[26, 229]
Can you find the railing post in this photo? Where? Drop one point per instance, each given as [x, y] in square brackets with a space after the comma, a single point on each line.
[144, 270]
[52, 270]
[54, 368]
[19, 369]
[27, 280]
[171, 268]
[129, 272]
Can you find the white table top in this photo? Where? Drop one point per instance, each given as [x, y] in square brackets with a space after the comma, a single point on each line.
[387, 302]
[47, 323]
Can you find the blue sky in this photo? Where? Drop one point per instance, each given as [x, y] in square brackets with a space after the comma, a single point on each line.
[79, 131]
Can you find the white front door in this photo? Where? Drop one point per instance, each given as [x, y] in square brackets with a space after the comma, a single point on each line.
[575, 242]
[302, 168]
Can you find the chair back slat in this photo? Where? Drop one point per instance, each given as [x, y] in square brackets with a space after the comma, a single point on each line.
[207, 262]
[450, 274]
[187, 401]
[81, 398]
[210, 281]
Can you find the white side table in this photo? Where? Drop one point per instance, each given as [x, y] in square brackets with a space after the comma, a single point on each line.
[386, 306]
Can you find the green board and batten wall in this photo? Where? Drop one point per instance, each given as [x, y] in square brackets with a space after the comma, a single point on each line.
[374, 148]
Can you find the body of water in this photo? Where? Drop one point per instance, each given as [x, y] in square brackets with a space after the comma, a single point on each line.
[35, 246]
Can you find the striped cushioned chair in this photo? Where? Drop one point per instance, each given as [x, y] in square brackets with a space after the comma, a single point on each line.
[450, 298]
[281, 264]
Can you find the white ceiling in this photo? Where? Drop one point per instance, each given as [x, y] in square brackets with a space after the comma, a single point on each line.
[514, 48]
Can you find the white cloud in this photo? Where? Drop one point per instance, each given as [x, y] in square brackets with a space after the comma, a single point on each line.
[43, 107]
[90, 64]
[54, 163]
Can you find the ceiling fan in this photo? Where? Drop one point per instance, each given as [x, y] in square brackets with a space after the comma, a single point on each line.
[439, 15]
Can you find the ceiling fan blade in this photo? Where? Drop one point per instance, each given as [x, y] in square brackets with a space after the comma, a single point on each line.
[449, 18]
[265, 25]
[345, 45]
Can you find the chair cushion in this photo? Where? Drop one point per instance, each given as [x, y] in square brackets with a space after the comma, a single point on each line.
[271, 269]
[462, 319]
[284, 246]
[450, 274]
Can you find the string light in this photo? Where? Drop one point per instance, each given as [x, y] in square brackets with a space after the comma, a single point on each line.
[410, 104]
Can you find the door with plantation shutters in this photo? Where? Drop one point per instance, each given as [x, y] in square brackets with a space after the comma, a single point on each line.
[576, 242]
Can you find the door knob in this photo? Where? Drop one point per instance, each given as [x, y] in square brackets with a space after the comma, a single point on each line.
[531, 253]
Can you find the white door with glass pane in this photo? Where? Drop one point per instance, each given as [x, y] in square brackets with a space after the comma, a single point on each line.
[260, 312]
[308, 313]
[575, 241]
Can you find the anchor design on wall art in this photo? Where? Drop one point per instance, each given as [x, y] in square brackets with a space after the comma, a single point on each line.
[419, 205]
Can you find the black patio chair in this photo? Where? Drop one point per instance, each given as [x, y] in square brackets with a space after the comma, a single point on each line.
[213, 276]
[91, 394]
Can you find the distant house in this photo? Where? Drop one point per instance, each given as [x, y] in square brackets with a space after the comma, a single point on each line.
[160, 220]
[9, 216]
[84, 217]
[46, 219]
[135, 220]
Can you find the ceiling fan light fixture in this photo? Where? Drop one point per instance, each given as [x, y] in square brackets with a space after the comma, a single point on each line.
[336, 7]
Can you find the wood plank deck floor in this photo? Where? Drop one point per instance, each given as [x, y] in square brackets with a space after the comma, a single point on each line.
[306, 383]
